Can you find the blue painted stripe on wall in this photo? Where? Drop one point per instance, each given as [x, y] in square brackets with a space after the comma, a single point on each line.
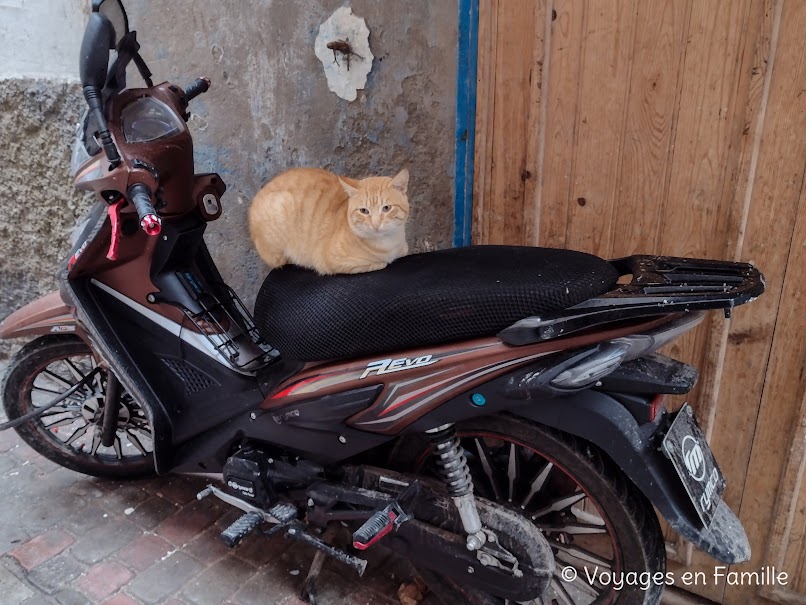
[467, 56]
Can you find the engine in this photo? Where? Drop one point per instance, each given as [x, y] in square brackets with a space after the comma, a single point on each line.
[258, 478]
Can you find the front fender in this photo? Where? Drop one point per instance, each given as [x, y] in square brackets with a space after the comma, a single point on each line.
[46, 315]
[603, 421]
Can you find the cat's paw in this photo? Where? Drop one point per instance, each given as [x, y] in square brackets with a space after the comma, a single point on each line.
[365, 268]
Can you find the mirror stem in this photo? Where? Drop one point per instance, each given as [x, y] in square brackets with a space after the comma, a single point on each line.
[93, 98]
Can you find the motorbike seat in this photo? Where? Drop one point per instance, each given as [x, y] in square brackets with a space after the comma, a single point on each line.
[422, 299]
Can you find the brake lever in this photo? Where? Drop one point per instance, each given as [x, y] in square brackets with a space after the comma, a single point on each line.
[114, 216]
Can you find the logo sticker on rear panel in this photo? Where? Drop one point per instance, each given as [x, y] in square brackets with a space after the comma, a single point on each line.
[387, 366]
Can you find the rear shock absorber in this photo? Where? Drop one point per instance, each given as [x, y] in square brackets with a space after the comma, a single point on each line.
[454, 471]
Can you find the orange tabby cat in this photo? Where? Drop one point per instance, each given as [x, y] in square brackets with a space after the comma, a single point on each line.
[313, 218]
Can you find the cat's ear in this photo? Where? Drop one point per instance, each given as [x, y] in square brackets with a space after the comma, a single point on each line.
[401, 181]
[348, 189]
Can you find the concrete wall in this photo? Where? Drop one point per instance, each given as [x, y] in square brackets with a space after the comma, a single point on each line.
[41, 38]
[269, 109]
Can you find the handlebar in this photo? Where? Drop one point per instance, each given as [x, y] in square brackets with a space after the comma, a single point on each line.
[140, 197]
[201, 85]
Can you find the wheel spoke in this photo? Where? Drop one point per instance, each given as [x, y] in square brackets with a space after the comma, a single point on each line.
[561, 592]
[44, 390]
[512, 470]
[582, 554]
[62, 422]
[96, 441]
[79, 432]
[58, 378]
[118, 448]
[573, 528]
[488, 470]
[136, 442]
[77, 374]
[587, 516]
[559, 504]
[538, 483]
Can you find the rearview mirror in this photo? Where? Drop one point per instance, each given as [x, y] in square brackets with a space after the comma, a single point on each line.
[99, 38]
[114, 11]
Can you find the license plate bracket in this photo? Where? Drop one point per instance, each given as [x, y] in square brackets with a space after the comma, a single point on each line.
[685, 445]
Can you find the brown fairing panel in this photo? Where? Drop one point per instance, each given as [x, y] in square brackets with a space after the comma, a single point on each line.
[46, 315]
[418, 381]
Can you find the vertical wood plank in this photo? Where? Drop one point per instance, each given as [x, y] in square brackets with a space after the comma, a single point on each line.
[604, 82]
[485, 95]
[659, 51]
[515, 44]
[536, 137]
[775, 473]
[560, 97]
[778, 198]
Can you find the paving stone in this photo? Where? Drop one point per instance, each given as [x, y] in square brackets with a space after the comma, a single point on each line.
[85, 518]
[164, 577]
[41, 548]
[68, 596]
[102, 541]
[55, 574]
[37, 600]
[11, 535]
[270, 586]
[123, 497]
[121, 599]
[185, 524]
[292, 601]
[174, 601]
[152, 512]
[12, 588]
[218, 582]
[144, 551]
[104, 579]
[181, 489]
[208, 546]
[8, 439]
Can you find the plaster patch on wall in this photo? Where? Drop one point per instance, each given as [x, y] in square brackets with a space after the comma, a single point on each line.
[342, 25]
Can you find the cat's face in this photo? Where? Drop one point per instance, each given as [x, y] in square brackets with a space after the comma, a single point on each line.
[379, 206]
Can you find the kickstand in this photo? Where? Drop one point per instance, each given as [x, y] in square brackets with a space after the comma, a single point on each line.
[308, 592]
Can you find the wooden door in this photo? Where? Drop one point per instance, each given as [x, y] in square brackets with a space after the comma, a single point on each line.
[672, 127]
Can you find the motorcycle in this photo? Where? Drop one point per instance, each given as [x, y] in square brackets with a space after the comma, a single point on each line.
[496, 415]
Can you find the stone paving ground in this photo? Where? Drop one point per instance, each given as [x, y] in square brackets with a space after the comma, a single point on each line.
[69, 539]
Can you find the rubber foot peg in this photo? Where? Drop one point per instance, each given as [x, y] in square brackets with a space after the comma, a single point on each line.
[244, 526]
[374, 528]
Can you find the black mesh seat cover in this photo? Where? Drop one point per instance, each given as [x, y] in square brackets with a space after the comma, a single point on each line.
[422, 299]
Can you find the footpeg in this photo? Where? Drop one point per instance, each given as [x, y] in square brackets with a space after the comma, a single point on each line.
[384, 521]
[244, 526]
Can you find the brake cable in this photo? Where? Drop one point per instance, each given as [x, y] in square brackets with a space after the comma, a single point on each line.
[52, 403]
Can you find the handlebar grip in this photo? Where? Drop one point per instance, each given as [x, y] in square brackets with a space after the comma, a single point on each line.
[140, 197]
[198, 87]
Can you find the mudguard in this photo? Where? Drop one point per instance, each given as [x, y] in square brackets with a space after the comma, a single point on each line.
[603, 421]
[46, 315]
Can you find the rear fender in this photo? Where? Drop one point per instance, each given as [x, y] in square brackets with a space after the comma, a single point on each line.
[43, 316]
[598, 418]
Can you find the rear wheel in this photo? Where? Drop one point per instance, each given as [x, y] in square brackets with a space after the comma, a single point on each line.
[69, 434]
[599, 526]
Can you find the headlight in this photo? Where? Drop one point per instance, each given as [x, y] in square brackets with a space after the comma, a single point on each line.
[148, 119]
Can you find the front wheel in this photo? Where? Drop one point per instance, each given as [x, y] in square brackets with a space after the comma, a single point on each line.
[598, 525]
[69, 433]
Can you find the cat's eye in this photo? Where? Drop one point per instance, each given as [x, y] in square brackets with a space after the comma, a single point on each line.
[364, 210]
[386, 208]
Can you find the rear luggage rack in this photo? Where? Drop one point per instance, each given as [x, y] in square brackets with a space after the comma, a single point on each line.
[660, 285]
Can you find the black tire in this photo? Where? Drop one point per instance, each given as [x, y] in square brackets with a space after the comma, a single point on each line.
[631, 523]
[19, 384]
